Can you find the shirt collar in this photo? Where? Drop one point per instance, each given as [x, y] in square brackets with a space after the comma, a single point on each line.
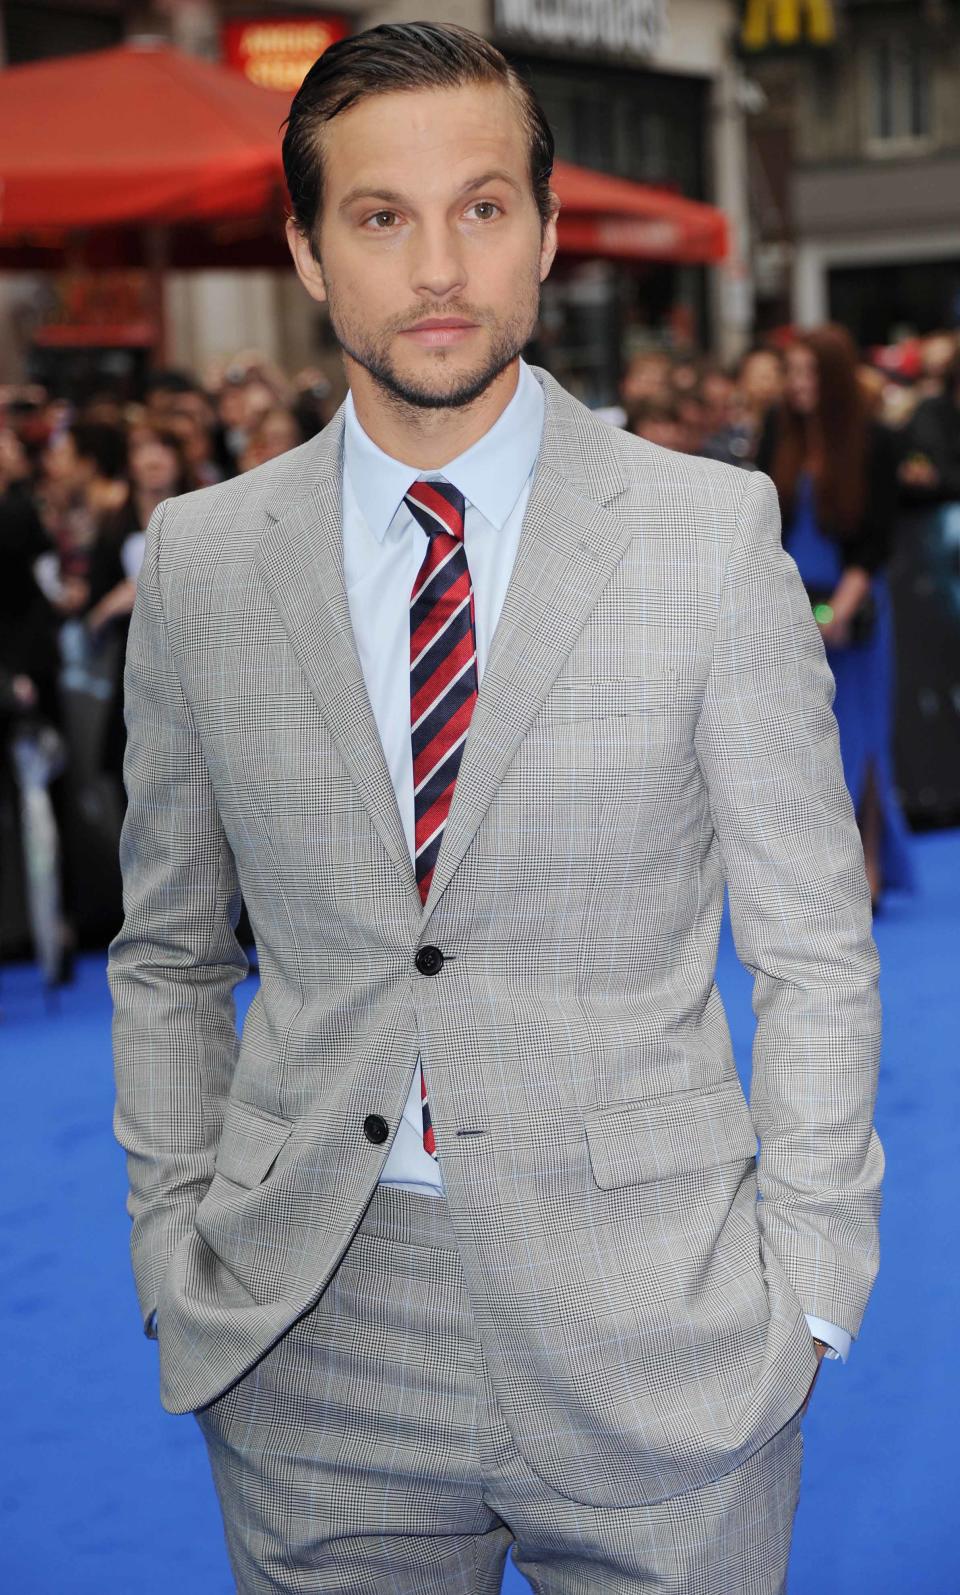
[490, 474]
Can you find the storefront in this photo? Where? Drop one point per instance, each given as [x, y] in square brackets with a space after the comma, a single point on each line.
[639, 125]
[93, 329]
[642, 89]
[878, 247]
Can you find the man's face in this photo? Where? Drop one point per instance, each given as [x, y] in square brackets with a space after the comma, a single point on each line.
[801, 384]
[61, 462]
[14, 465]
[761, 380]
[430, 243]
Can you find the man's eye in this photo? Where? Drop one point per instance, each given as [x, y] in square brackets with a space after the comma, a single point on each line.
[381, 220]
[485, 209]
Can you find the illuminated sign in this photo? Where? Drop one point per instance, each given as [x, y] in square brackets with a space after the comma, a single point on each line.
[278, 52]
[91, 309]
[637, 26]
[770, 24]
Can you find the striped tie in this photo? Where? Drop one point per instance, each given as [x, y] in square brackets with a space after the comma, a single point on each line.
[443, 681]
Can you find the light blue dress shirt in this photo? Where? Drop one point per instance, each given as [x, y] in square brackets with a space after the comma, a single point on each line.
[383, 549]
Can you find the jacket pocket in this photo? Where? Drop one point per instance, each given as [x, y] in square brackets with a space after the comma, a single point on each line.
[594, 697]
[666, 1136]
[250, 1143]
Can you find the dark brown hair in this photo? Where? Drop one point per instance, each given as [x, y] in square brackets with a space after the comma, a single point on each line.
[393, 57]
[102, 443]
[143, 431]
[835, 435]
[652, 409]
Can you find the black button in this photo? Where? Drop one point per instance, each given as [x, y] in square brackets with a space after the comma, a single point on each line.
[429, 960]
[375, 1129]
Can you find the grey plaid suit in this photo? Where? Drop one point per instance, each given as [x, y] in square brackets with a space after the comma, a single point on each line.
[654, 720]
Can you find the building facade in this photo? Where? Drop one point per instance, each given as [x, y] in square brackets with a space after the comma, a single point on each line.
[855, 171]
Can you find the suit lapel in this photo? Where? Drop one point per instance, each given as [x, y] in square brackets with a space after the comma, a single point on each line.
[301, 556]
[569, 547]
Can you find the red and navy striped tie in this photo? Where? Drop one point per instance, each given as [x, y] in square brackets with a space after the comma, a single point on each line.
[443, 681]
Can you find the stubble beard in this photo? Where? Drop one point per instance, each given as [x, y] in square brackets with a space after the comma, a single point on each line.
[508, 339]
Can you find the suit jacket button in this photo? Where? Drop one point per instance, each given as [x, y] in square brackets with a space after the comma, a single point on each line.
[429, 960]
[375, 1129]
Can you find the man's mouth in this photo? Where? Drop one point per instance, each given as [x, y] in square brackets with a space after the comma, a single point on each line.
[439, 332]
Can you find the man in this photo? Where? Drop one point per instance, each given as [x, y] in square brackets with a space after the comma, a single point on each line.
[480, 703]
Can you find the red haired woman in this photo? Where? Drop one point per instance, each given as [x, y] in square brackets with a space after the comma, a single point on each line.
[835, 473]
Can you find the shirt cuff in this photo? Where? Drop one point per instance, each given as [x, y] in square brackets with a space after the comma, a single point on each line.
[836, 1338]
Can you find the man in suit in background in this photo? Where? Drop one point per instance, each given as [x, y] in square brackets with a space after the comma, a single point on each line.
[480, 703]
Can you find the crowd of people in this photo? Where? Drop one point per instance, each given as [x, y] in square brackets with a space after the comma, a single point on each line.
[847, 439]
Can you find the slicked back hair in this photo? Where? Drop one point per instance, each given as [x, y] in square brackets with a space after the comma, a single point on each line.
[392, 58]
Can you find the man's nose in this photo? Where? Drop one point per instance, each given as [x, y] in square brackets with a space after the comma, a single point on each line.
[438, 268]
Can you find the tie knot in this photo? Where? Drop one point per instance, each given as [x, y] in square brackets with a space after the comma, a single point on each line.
[437, 506]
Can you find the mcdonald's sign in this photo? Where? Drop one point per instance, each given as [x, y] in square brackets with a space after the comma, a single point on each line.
[779, 24]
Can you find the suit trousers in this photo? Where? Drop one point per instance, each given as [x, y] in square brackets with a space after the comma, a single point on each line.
[366, 1452]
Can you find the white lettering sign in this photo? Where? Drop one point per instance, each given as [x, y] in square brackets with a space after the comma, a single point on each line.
[635, 26]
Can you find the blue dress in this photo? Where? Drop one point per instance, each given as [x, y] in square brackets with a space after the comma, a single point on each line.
[863, 673]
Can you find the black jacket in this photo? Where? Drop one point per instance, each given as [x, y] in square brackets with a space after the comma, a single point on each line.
[28, 624]
[934, 430]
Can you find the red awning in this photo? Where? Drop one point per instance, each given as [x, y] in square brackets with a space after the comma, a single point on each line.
[608, 216]
[137, 134]
[143, 134]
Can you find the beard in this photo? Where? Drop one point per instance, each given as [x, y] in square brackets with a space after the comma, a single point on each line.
[440, 388]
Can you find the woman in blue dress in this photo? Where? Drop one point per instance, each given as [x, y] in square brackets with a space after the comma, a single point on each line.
[835, 472]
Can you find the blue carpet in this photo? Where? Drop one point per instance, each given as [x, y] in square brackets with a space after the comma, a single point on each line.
[101, 1493]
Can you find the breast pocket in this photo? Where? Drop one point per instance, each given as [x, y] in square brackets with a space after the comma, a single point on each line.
[594, 698]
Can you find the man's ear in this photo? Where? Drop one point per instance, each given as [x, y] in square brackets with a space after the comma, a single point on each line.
[548, 241]
[308, 266]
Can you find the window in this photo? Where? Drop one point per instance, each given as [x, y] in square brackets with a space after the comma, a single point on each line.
[899, 92]
[641, 125]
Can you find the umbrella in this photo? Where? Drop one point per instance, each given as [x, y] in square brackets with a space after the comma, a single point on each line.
[138, 134]
[609, 216]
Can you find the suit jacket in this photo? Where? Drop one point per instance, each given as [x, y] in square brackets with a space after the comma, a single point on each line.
[654, 721]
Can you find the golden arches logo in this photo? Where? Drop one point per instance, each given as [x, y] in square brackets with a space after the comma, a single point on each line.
[786, 22]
